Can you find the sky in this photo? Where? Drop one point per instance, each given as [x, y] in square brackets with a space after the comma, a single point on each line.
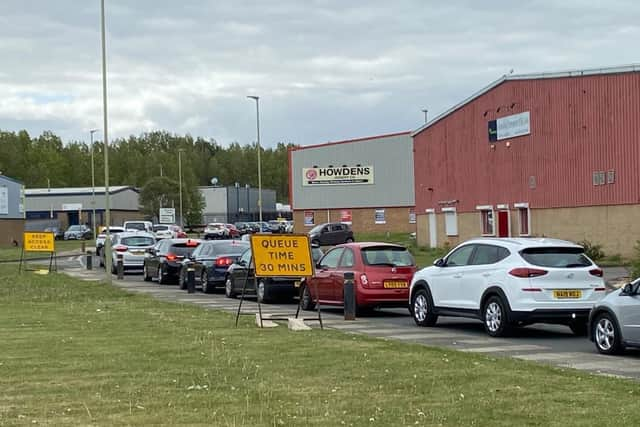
[325, 70]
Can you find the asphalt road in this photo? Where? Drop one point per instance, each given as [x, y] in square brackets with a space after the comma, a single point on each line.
[550, 344]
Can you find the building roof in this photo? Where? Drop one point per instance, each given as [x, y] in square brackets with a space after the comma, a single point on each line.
[633, 68]
[10, 179]
[76, 191]
[366, 138]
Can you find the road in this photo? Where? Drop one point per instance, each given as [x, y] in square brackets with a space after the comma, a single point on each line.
[550, 344]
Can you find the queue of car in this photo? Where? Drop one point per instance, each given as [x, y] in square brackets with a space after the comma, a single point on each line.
[505, 283]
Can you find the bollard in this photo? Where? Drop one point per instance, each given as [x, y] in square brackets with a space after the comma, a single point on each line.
[89, 260]
[349, 296]
[82, 246]
[120, 266]
[191, 278]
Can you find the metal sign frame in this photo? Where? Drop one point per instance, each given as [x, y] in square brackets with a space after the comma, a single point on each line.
[53, 262]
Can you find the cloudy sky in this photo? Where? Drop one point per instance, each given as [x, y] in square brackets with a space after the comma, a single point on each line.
[325, 70]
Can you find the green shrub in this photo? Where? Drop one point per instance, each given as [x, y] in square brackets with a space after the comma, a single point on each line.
[592, 250]
[635, 261]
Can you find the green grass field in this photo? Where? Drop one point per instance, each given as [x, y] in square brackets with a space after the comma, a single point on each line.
[80, 353]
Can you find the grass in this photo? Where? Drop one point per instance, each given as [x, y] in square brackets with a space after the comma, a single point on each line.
[13, 253]
[424, 256]
[79, 353]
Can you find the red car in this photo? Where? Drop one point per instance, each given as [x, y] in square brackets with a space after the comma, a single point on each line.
[234, 233]
[383, 272]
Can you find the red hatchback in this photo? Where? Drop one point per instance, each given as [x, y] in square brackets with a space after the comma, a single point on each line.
[382, 272]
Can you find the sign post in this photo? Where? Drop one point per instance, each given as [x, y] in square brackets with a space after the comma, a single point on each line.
[280, 255]
[38, 242]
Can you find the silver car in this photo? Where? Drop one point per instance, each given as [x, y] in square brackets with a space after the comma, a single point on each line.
[132, 245]
[614, 322]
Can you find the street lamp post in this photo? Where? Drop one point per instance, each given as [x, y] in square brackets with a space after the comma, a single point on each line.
[93, 185]
[237, 201]
[257, 99]
[248, 206]
[107, 209]
[425, 111]
[180, 184]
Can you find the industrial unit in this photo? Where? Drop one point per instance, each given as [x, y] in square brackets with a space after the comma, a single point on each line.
[553, 154]
[11, 211]
[237, 203]
[366, 182]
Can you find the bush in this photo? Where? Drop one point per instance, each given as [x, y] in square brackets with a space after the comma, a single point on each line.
[635, 262]
[593, 251]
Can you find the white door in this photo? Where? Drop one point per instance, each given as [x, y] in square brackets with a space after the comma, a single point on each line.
[433, 237]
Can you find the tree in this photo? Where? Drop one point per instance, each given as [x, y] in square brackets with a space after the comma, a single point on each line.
[159, 192]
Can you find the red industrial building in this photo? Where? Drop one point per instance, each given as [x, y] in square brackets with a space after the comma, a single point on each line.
[553, 154]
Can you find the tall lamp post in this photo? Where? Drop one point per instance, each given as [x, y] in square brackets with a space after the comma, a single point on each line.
[246, 186]
[425, 111]
[107, 209]
[257, 99]
[180, 150]
[237, 201]
[93, 185]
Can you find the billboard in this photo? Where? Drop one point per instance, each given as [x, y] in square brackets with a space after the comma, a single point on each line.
[345, 175]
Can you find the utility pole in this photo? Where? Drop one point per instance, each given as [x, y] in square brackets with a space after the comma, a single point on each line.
[107, 241]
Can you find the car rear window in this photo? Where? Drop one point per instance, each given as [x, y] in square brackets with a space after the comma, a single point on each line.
[138, 241]
[183, 248]
[558, 257]
[387, 255]
[135, 226]
[230, 248]
[160, 227]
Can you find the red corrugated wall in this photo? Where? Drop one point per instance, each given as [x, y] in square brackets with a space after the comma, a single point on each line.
[578, 125]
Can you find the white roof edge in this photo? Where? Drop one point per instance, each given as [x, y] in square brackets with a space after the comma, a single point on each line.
[630, 68]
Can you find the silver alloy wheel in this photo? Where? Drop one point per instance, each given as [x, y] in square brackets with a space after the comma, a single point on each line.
[227, 287]
[605, 334]
[205, 281]
[420, 308]
[144, 271]
[159, 274]
[493, 316]
[260, 291]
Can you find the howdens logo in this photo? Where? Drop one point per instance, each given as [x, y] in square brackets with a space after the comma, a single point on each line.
[345, 171]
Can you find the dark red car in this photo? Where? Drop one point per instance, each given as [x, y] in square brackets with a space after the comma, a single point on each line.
[383, 272]
[234, 233]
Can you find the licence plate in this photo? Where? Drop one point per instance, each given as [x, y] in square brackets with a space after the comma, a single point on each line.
[567, 294]
[395, 284]
[137, 252]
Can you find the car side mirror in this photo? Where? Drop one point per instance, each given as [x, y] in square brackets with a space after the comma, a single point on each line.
[242, 263]
[439, 262]
[151, 251]
[627, 289]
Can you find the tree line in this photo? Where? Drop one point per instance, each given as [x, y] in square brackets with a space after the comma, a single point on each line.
[45, 161]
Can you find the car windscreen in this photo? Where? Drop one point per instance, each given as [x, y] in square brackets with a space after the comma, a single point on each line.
[558, 257]
[316, 229]
[138, 241]
[183, 249]
[75, 228]
[387, 255]
[160, 227]
[229, 248]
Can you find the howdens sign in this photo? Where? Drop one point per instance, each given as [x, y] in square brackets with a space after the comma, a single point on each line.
[346, 175]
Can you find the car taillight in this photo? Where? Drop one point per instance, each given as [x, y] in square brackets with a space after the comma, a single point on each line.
[364, 281]
[171, 257]
[527, 272]
[224, 261]
[120, 248]
[596, 272]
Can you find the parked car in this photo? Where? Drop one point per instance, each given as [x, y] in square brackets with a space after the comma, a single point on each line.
[269, 288]
[165, 231]
[58, 234]
[382, 272]
[331, 233]
[508, 282]
[254, 227]
[243, 227]
[103, 236]
[614, 320]
[216, 230]
[164, 260]
[78, 232]
[234, 233]
[276, 226]
[288, 227]
[211, 261]
[138, 226]
[132, 245]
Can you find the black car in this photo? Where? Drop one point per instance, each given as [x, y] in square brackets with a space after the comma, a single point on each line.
[164, 260]
[243, 227]
[269, 288]
[211, 261]
[58, 234]
[331, 233]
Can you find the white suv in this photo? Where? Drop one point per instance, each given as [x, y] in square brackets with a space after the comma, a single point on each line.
[507, 282]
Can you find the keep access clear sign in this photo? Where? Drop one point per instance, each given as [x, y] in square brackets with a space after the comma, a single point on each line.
[281, 255]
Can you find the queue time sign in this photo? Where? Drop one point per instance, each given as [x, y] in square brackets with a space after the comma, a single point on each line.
[38, 242]
[281, 255]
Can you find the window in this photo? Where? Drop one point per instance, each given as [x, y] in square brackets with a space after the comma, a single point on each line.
[246, 256]
[379, 217]
[558, 257]
[387, 255]
[488, 223]
[331, 259]
[450, 221]
[460, 256]
[337, 227]
[489, 254]
[348, 259]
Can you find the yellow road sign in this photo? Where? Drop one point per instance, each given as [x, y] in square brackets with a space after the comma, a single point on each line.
[281, 255]
[38, 242]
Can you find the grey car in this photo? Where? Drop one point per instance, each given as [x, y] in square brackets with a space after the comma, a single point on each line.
[614, 322]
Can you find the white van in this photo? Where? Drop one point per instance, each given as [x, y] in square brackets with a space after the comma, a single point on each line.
[138, 226]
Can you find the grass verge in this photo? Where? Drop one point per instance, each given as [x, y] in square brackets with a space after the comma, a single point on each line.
[13, 253]
[87, 354]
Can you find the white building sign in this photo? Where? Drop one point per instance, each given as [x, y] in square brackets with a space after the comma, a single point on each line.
[72, 206]
[167, 216]
[345, 175]
[512, 126]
